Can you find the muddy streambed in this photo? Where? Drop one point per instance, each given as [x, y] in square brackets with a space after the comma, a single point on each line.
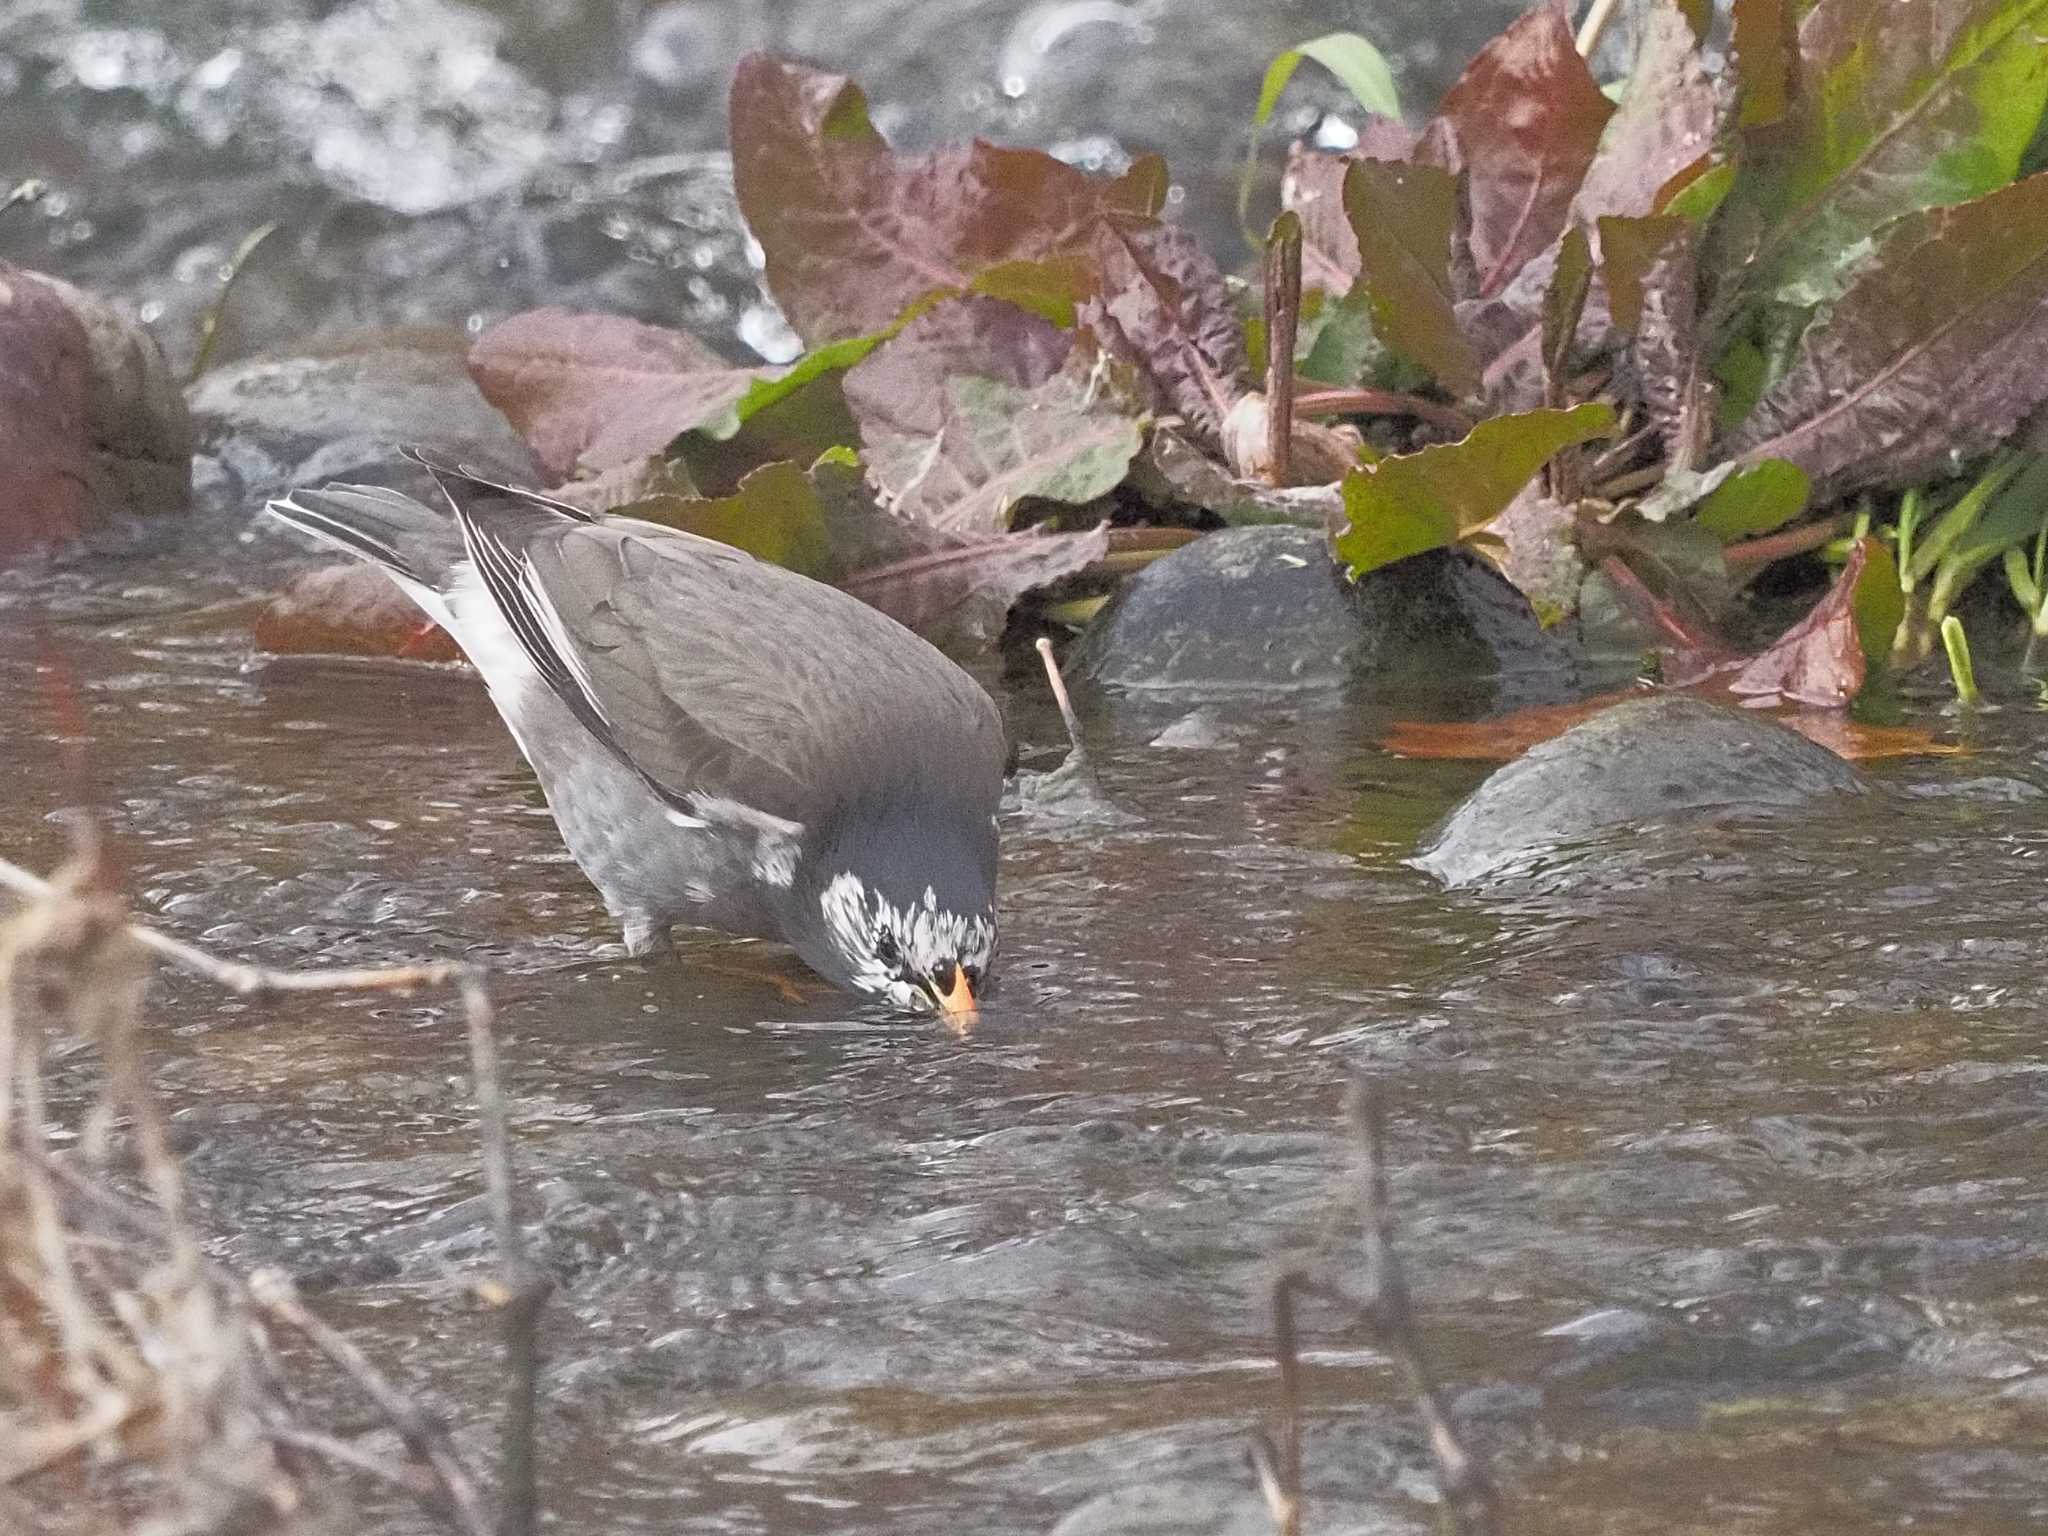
[1720, 1155]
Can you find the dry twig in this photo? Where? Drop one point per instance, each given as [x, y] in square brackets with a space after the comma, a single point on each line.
[72, 958]
[1380, 1297]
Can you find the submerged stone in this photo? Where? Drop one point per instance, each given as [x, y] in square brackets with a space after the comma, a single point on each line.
[1666, 757]
[1265, 609]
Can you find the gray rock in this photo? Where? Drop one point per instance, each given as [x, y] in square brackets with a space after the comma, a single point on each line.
[277, 422]
[1660, 758]
[1266, 610]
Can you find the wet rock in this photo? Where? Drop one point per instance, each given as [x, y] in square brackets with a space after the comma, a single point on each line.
[43, 385]
[1265, 609]
[351, 609]
[1652, 759]
[1179, 1508]
[343, 414]
[141, 434]
[90, 422]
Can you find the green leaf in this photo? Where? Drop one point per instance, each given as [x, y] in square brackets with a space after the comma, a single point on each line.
[1754, 500]
[1563, 304]
[1410, 503]
[1902, 105]
[774, 515]
[1360, 67]
[1878, 604]
[1699, 198]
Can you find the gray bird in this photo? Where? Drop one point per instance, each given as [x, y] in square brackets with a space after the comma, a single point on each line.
[722, 742]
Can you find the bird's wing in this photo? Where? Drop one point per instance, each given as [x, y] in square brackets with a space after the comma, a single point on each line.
[719, 677]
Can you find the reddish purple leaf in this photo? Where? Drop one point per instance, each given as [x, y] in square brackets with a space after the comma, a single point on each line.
[45, 438]
[1163, 307]
[599, 390]
[853, 232]
[1652, 270]
[1820, 659]
[1934, 354]
[1668, 120]
[1313, 187]
[1526, 118]
[978, 404]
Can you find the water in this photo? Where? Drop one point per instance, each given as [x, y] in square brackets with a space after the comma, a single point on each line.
[1719, 1157]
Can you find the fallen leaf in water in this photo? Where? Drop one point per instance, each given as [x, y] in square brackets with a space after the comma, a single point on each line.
[351, 609]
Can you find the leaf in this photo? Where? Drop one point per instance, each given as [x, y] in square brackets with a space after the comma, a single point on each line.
[350, 609]
[774, 515]
[1754, 500]
[1537, 551]
[1563, 305]
[1402, 218]
[1409, 503]
[1766, 48]
[1313, 188]
[1667, 120]
[853, 233]
[1931, 358]
[946, 586]
[1903, 105]
[1163, 306]
[978, 404]
[1360, 67]
[600, 390]
[1879, 603]
[45, 441]
[1819, 660]
[1652, 271]
[1526, 118]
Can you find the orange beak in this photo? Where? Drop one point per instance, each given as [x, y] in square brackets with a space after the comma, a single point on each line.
[958, 1007]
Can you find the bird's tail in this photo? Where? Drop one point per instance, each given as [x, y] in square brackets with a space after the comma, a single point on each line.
[406, 537]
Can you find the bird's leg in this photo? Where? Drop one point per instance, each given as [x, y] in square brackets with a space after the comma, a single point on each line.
[646, 934]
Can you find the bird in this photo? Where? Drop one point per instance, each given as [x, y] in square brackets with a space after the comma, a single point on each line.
[724, 743]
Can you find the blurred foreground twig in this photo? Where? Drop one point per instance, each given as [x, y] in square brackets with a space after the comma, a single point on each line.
[126, 1348]
[1379, 1297]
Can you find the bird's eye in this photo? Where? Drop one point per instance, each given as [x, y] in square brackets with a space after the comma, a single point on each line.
[942, 977]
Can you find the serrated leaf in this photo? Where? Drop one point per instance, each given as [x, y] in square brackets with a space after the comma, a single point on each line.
[1409, 503]
[1402, 218]
[1652, 271]
[853, 233]
[1932, 356]
[978, 404]
[1903, 105]
[1526, 119]
[1162, 306]
[1754, 500]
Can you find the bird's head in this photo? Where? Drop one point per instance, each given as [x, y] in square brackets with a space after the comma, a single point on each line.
[906, 913]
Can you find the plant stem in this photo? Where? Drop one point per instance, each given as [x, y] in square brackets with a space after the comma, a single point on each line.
[1957, 644]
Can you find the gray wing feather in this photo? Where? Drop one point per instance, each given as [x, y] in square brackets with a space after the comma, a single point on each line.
[718, 674]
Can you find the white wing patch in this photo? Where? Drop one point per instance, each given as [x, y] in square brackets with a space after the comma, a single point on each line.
[543, 608]
[777, 840]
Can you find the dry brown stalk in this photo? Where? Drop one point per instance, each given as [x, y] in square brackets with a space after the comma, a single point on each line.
[121, 1345]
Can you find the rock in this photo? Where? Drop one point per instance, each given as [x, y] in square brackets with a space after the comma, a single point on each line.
[44, 373]
[1265, 609]
[141, 432]
[90, 422]
[351, 609]
[1659, 758]
[343, 414]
